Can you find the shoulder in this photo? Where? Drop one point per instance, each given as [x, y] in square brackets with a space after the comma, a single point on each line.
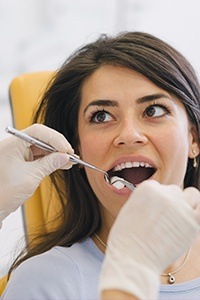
[41, 277]
[81, 252]
[65, 268]
[63, 259]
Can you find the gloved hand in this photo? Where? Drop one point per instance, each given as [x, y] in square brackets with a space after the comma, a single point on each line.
[23, 166]
[154, 227]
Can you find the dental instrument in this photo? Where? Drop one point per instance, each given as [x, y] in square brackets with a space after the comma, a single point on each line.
[116, 181]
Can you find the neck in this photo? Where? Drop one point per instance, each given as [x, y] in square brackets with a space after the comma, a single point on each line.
[99, 241]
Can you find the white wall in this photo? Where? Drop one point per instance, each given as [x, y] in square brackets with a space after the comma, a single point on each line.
[40, 34]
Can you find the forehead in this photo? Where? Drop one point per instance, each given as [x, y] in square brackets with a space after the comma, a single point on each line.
[120, 84]
[117, 83]
[111, 80]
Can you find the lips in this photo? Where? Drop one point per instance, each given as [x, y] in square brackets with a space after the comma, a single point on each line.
[133, 171]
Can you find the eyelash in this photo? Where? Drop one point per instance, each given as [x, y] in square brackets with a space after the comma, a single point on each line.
[94, 113]
[161, 105]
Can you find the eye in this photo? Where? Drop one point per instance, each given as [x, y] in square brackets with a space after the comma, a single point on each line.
[100, 116]
[156, 111]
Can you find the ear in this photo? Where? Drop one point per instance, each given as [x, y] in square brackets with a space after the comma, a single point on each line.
[194, 144]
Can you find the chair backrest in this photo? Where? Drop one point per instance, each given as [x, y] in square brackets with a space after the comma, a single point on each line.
[25, 93]
[3, 282]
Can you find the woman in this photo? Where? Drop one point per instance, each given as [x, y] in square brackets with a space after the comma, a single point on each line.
[129, 105]
[33, 164]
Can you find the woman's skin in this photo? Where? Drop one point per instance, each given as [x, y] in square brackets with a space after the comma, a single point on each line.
[124, 117]
[117, 295]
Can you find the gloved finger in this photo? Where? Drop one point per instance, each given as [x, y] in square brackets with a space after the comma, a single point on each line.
[197, 213]
[50, 163]
[50, 136]
[192, 197]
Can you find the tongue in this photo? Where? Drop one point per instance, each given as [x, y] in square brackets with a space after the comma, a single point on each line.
[136, 175]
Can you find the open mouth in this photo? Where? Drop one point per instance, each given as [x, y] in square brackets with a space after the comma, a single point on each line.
[134, 172]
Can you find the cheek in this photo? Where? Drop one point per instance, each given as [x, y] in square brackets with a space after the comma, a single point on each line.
[173, 140]
[173, 149]
[93, 146]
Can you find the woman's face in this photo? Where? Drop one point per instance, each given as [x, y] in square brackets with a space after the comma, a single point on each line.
[129, 125]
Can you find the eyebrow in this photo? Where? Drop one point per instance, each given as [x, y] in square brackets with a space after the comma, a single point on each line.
[114, 103]
[152, 97]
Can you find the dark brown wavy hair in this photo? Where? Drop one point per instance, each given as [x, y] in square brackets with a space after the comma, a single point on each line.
[59, 109]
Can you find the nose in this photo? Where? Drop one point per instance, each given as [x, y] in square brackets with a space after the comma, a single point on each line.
[130, 133]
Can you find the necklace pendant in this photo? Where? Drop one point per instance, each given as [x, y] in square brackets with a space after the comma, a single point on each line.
[171, 278]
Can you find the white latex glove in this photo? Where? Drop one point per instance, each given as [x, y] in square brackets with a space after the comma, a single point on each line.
[154, 227]
[23, 166]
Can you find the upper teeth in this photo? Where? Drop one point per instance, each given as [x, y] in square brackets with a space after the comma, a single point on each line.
[129, 164]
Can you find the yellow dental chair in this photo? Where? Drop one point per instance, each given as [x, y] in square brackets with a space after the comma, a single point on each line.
[25, 93]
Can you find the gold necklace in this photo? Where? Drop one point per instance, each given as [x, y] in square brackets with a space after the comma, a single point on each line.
[171, 278]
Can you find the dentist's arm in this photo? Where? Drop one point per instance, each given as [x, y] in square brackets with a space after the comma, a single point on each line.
[155, 226]
[23, 166]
